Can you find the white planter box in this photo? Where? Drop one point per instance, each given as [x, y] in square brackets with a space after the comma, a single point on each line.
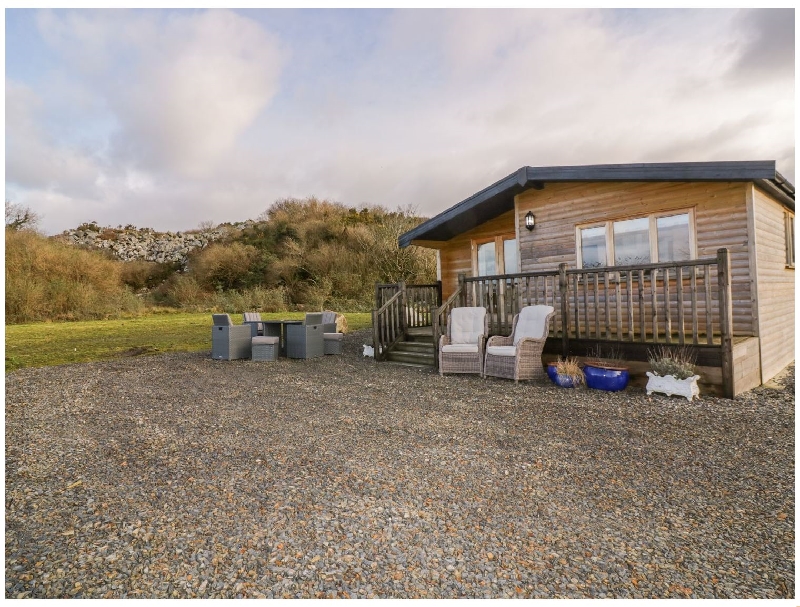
[669, 385]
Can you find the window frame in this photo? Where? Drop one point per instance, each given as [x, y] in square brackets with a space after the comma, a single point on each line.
[499, 252]
[652, 231]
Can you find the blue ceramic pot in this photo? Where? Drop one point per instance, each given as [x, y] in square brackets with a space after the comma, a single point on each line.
[610, 380]
[564, 381]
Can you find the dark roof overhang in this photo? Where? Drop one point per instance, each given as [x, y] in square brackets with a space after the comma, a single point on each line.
[498, 198]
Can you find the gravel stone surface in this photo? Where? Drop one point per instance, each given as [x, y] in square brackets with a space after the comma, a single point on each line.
[179, 476]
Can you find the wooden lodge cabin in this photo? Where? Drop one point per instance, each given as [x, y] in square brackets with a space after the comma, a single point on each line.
[632, 255]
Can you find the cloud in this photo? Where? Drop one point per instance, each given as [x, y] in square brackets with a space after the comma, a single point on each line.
[177, 117]
[183, 86]
[769, 43]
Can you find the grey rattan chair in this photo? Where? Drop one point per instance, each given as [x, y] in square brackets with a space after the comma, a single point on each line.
[519, 356]
[229, 341]
[461, 349]
[253, 320]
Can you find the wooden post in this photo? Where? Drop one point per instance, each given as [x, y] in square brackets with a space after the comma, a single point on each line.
[376, 340]
[462, 286]
[725, 320]
[439, 299]
[563, 287]
[403, 307]
[435, 329]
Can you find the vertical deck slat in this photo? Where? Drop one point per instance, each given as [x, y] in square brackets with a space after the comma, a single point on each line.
[654, 302]
[618, 302]
[679, 296]
[596, 306]
[606, 296]
[586, 304]
[709, 322]
[629, 285]
[693, 289]
[642, 322]
[668, 314]
[575, 306]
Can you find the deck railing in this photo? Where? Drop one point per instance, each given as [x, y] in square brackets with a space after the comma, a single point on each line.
[399, 307]
[440, 316]
[671, 303]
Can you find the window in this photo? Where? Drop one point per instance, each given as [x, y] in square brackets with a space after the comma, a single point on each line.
[510, 262]
[486, 257]
[789, 224]
[637, 241]
[496, 256]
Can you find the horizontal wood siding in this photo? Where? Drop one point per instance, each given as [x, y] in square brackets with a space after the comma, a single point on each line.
[720, 219]
[775, 286]
[456, 253]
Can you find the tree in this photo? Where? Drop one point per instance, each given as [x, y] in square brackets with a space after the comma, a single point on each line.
[19, 217]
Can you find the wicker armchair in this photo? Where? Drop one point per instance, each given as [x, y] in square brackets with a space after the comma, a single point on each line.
[519, 356]
[461, 350]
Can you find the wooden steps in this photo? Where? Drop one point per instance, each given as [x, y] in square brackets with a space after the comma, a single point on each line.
[416, 349]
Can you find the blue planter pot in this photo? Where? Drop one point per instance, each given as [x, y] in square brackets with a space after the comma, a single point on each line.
[564, 381]
[610, 380]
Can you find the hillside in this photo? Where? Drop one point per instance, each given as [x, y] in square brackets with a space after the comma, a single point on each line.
[298, 255]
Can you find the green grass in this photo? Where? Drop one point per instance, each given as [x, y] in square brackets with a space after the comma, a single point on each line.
[58, 343]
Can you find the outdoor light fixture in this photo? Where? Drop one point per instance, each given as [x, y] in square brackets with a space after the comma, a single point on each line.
[530, 220]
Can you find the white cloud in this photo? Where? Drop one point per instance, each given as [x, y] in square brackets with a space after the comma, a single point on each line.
[214, 117]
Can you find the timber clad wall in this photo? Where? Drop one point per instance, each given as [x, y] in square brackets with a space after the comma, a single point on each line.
[720, 219]
[775, 286]
[456, 253]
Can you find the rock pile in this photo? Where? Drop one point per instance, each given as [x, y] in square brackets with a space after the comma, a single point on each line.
[130, 243]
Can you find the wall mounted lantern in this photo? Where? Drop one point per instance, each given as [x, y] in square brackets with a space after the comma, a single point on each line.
[530, 220]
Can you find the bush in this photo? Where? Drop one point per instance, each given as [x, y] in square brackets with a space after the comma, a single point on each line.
[49, 280]
[225, 266]
[139, 274]
[678, 362]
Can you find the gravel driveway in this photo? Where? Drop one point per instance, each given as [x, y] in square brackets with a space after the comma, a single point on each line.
[179, 476]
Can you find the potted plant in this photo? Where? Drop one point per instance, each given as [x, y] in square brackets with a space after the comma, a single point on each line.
[606, 370]
[673, 372]
[566, 373]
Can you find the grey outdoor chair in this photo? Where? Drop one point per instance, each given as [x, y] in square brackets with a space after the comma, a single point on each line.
[253, 319]
[229, 341]
[461, 349]
[519, 356]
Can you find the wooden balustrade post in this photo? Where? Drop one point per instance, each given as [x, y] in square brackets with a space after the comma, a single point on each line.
[435, 329]
[563, 287]
[376, 340]
[462, 287]
[403, 307]
[725, 320]
[439, 299]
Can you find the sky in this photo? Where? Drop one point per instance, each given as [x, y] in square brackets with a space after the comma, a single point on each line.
[169, 118]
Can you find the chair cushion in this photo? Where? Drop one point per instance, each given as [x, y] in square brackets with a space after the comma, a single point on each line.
[252, 317]
[531, 322]
[466, 325]
[222, 320]
[461, 348]
[333, 336]
[502, 350]
[265, 340]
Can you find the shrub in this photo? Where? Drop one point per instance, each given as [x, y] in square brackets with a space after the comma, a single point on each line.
[49, 280]
[140, 274]
[678, 362]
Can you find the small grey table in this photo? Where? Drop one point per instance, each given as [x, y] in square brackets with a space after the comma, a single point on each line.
[277, 328]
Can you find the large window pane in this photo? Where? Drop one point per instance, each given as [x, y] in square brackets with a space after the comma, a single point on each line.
[486, 262]
[632, 242]
[593, 247]
[673, 238]
[510, 256]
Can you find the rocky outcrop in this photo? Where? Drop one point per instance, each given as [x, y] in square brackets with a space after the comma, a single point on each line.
[130, 244]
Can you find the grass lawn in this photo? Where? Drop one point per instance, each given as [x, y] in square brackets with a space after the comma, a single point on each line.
[57, 343]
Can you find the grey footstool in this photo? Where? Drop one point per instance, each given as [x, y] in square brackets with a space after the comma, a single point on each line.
[332, 342]
[265, 348]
